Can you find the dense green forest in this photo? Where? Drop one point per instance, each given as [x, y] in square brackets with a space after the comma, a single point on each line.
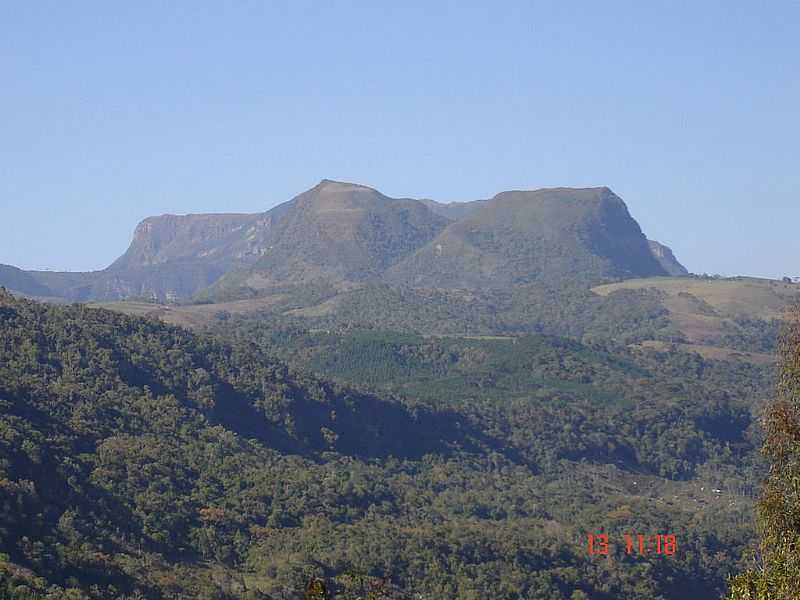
[139, 460]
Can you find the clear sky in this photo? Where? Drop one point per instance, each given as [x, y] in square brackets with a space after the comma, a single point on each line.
[114, 111]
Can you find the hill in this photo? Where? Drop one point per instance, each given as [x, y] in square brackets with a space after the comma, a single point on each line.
[710, 315]
[732, 319]
[573, 311]
[22, 281]
[735, 319]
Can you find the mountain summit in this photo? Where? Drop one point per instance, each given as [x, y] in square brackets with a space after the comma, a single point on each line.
[340, 232]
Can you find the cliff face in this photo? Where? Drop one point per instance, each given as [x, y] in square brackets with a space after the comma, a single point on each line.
[667, 259]
[171, 257]
[224, 239]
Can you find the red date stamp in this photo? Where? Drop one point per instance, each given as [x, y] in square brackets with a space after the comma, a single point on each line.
[635, 544]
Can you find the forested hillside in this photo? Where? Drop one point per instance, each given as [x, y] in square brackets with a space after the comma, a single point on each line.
[524, 237]
[139, 460]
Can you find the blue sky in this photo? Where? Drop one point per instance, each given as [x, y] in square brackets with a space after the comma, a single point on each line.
[111, 112]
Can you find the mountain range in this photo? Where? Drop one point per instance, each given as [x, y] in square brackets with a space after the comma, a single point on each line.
[343, 234]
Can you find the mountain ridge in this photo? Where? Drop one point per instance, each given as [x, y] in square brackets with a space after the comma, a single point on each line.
[336, 232]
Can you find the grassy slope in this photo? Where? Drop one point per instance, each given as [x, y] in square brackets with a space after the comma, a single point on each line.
[748, 296]
[715, 316]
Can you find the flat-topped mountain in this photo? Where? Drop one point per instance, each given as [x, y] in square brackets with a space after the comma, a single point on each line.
[344, 234]
[224, 239]
[520, 237]
[171, 257]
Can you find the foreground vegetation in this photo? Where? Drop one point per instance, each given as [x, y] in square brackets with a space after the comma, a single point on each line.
[138, 460]
[776, 573]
